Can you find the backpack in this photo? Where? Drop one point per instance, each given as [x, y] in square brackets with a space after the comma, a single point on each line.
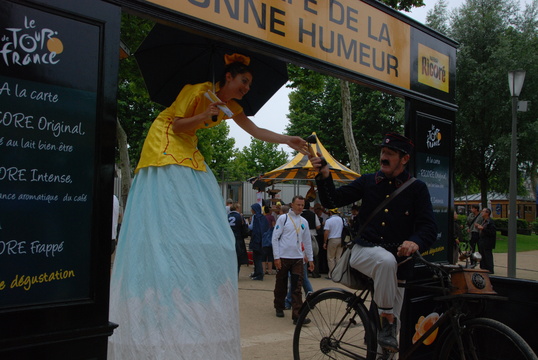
[245, 231]
[267, 238]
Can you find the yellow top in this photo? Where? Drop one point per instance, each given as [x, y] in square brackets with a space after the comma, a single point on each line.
[163, 147]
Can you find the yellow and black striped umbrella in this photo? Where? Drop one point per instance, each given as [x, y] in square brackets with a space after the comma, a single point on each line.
[300, 168]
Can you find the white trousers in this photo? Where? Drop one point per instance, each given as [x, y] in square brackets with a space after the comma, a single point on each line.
[381, 266]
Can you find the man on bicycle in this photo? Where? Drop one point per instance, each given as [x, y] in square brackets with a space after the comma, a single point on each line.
[405, 225]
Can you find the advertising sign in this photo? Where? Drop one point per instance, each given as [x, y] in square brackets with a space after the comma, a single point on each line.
[433, 141]
[49, 66]
[349, 34]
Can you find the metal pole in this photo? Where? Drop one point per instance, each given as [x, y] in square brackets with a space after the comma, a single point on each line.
[512, 216]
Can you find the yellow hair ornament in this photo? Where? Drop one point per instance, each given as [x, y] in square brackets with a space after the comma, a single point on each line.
[228, 59]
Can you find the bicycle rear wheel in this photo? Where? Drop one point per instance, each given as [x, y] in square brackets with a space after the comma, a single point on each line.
[486, 339]
[335, 331]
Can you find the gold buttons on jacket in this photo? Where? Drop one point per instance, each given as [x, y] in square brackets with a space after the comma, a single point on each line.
[383, 223]
[386, 210]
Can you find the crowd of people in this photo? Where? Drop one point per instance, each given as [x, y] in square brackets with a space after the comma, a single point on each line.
[262, 256]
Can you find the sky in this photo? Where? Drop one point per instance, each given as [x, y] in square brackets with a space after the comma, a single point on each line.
[272, 115]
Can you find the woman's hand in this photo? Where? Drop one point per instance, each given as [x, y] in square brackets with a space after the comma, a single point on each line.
[213, 109]
[294, 142]
[299, 144]
[189, 125]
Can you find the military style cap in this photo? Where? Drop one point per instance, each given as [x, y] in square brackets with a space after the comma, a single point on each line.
[397, 142]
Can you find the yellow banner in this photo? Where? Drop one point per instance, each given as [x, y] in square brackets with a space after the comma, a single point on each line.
[433, 68]
[349, 34]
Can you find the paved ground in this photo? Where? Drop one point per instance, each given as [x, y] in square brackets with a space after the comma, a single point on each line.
[264, 336]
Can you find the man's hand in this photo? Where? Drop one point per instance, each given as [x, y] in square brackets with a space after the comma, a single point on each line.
[311, 266]
[321, 164]
[278, 264]
[407, 248]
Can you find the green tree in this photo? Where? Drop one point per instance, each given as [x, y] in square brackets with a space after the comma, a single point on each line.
[135, 110]
[405, 5]
[488, 31]
[438, 18]
[259, 157]
[526, 46]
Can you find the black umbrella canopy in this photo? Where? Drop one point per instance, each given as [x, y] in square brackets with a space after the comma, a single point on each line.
[170, 58]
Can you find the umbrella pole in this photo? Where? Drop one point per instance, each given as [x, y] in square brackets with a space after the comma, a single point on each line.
[213, 69]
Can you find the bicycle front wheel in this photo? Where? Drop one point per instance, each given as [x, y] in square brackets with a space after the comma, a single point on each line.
[335, 330]
[486, 339]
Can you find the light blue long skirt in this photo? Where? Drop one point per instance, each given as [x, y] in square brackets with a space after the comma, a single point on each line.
[174, 281]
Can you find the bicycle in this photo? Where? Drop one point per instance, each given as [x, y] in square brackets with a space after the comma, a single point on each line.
[344, 327]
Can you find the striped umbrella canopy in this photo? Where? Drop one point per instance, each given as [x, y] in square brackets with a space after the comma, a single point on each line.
[300, 168]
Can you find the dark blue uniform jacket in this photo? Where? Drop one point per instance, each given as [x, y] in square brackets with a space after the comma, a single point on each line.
[409, 216]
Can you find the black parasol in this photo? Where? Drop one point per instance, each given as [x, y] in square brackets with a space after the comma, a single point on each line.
[170, 58]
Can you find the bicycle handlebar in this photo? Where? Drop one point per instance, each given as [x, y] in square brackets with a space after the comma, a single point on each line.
[433, 266]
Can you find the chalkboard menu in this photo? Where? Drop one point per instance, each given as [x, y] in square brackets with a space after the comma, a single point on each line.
[48, 104]
[433, 146]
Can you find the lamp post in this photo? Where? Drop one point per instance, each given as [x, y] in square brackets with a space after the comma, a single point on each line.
[515, 82]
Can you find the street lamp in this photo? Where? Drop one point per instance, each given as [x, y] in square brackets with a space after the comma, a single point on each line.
[515, 82]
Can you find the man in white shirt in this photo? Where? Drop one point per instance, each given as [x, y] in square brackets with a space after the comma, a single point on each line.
[290, 236]
[332, 239]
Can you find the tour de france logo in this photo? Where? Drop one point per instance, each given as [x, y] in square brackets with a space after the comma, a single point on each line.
[30, 44]
[433, 138]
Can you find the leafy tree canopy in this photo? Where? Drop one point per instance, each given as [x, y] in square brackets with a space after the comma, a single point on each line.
[495, 37]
